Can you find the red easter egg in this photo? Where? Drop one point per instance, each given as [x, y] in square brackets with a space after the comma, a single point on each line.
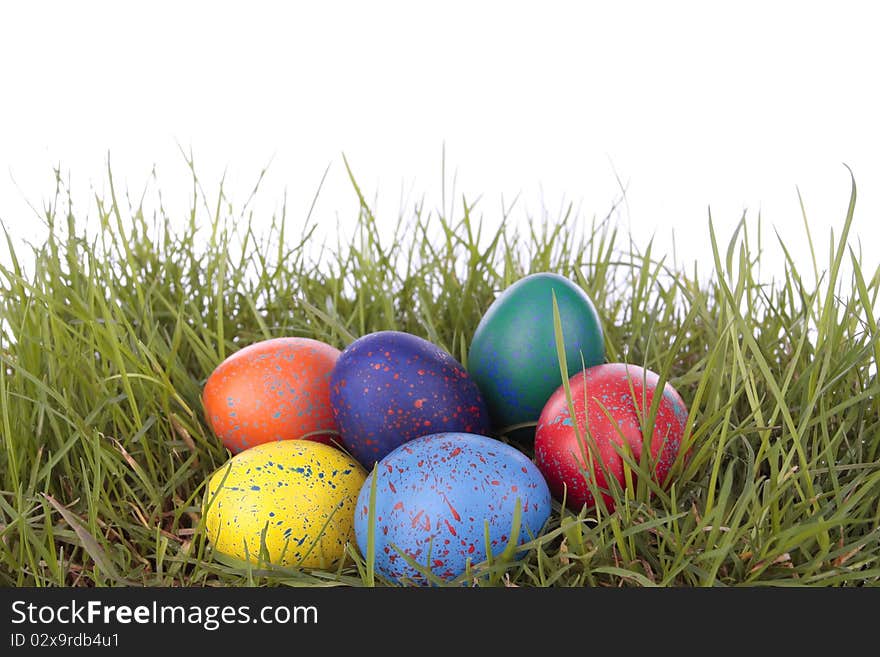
[611, 400]
[277, 389]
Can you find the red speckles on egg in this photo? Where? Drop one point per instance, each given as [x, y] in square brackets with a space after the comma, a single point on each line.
[414, 387]
[451, 484]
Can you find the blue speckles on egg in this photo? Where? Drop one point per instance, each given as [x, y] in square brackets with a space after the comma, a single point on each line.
[390, 387]
[434, 496]
[300, 519]
[276, 389]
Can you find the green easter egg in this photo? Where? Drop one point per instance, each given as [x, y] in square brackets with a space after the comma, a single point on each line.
[513, 356]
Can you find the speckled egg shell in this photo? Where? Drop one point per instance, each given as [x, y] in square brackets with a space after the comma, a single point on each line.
[277, 389]
[513, 355]
[434, 495]
[293, 490]
[617, 396]
[390, 387]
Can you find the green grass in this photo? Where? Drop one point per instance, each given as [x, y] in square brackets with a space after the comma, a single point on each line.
[107, 338]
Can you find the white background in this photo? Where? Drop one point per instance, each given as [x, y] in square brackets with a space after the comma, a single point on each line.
[693, 105]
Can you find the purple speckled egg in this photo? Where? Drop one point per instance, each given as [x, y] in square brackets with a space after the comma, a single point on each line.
[390, 387]
[434, 496]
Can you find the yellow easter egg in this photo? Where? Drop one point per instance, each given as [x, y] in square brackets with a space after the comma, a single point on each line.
[295, 497]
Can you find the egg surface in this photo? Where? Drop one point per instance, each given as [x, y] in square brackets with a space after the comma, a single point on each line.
[434, 496]
[277, 389]
[611, 401]
[301, 493]
[390, 387]
[513, 356]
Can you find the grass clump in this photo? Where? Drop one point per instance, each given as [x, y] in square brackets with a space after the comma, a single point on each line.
[106, 340]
